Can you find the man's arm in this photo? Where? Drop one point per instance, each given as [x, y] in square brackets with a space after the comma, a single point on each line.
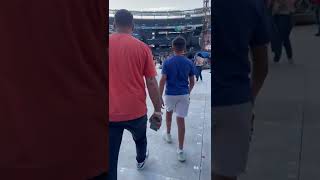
[259, 68]
[192, 82]
[153, 89]
[259, 49]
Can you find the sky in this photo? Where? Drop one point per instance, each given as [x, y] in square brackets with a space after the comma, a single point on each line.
[155, 5]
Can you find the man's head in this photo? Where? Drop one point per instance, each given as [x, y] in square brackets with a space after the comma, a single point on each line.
[179, 45]
[123, 21]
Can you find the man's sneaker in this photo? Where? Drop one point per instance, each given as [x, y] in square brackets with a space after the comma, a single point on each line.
[167, 137]
[181, 155]
[140, 166]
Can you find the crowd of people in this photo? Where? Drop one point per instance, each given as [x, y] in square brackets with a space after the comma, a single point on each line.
[199, 61]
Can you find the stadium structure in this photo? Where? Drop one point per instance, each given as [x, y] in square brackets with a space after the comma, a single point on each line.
[159, 28]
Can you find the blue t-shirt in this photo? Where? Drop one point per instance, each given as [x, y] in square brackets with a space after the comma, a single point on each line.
[178, 69]
[237, 25]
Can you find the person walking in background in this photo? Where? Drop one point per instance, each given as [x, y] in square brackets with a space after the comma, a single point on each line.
[130, 65]
[234, 89]
[317, 14]
[191, 57]
[274, 35]
[199, 62]
[178, 76]
[282, 16]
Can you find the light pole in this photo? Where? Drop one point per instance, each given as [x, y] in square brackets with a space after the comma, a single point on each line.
[206, 20]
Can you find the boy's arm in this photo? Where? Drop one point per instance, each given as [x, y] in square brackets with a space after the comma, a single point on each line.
[161, 86]
[162, 83]
[192, 82]
[191, 77]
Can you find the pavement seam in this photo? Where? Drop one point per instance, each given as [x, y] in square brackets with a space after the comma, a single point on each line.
[202, 138]
[302, 122]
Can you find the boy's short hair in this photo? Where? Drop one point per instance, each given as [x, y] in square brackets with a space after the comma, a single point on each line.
[123, 18]
[179, 43]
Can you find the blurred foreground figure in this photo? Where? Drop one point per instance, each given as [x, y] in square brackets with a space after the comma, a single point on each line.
[240, 26]
[53, 90]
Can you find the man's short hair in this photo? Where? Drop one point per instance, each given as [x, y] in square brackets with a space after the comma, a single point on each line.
[123, 18]
[179, 43]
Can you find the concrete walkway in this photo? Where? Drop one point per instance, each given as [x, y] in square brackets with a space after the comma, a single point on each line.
[287, 128]
[162, 163]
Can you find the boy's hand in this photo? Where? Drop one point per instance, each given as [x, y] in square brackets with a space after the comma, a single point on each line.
[162, 103]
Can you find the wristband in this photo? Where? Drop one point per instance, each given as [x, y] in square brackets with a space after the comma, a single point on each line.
[158, 113]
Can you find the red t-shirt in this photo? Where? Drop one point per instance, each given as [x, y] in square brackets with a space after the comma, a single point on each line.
[130, 60]
[53, 90]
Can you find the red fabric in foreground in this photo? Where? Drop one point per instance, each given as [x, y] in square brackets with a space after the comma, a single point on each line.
[316, 1]
[53, 107]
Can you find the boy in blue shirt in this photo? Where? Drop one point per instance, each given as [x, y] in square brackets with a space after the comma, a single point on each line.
[178, 76]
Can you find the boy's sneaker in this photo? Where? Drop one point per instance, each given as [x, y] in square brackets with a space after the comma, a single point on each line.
[167, 137]
[140, 166]
[181, 155]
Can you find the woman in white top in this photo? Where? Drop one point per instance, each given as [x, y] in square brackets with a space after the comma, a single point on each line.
[199, 62]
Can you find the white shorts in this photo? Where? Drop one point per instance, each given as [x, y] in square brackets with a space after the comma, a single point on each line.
[178, 104]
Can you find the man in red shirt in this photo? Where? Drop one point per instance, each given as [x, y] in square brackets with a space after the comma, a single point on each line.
[53, 89]
[130, 65]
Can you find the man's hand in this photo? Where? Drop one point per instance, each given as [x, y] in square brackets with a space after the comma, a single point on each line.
[156, 120]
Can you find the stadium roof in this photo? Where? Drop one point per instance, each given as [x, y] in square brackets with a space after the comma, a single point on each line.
[163, 14]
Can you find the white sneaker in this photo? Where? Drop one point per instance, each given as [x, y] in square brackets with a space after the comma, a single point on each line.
[167, 137]
[140, 166]
[181, 155]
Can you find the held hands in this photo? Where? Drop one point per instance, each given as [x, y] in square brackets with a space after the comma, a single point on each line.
[156, 120]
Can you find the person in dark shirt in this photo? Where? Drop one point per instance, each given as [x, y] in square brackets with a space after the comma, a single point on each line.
[238, 26]
[282, 11]
[53, 90]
